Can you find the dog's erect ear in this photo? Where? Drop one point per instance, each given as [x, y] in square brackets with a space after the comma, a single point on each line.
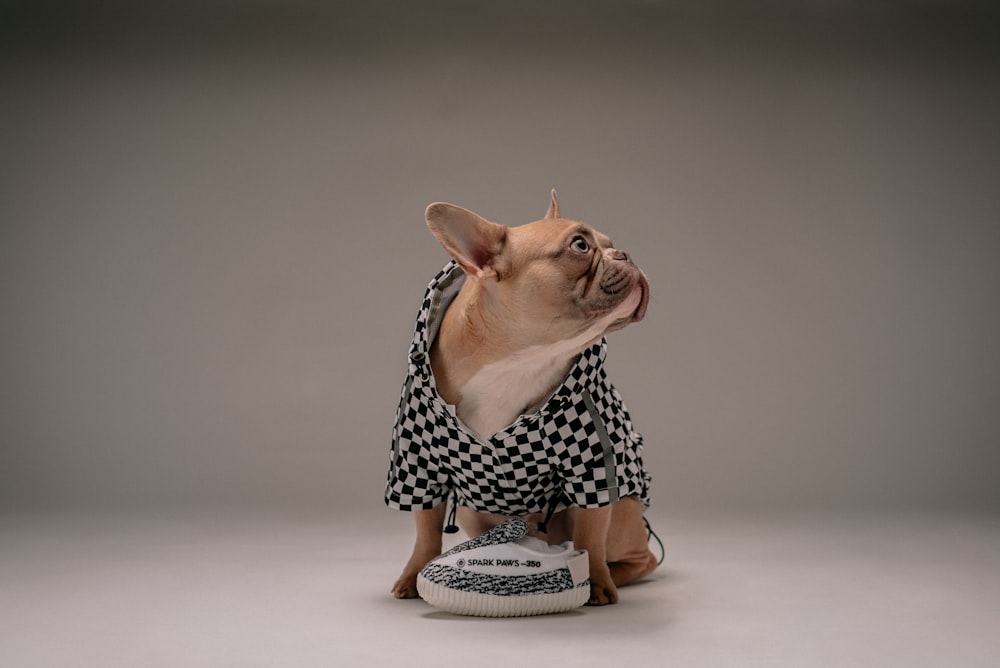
[472, 240]
[553, 211]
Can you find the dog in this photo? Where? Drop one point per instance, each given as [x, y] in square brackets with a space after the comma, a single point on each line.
[506, 410]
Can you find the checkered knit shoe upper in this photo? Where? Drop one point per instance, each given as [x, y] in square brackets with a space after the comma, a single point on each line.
[506, 562]
[506, 532]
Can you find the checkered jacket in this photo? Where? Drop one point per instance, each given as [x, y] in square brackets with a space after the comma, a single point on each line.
[578, 449]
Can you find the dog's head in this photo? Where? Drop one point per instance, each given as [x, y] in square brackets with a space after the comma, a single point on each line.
[552, 280]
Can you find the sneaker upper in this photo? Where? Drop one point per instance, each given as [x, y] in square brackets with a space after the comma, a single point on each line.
[505, 561]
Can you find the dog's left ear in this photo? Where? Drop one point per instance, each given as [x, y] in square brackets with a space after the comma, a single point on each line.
[553, 211]
[472, 240]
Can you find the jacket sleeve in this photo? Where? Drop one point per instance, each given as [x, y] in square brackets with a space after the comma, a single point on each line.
[416, 480]
[604, 463]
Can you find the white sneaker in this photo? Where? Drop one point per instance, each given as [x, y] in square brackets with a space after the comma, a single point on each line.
[506, 573]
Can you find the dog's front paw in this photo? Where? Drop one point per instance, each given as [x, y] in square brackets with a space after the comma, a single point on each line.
[405, 587]
[602, 592]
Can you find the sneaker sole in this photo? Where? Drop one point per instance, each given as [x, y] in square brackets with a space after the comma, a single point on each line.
[490, 605]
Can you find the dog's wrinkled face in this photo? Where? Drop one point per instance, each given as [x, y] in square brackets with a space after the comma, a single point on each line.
[567, 278]
[551, 280]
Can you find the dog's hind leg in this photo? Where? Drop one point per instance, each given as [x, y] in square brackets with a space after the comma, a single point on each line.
[628, 554]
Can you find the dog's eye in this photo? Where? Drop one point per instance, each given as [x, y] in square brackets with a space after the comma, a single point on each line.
[580, 245]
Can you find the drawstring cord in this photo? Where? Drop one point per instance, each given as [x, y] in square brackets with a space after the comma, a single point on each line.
[651, 535]
[449, 525]
[543, 526]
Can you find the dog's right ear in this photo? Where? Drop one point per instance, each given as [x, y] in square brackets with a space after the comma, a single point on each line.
[553, 211]
[472, 240]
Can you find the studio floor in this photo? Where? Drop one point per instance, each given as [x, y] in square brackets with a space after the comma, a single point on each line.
[226, 590]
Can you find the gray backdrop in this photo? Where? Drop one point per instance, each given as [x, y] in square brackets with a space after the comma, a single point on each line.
[212, 244]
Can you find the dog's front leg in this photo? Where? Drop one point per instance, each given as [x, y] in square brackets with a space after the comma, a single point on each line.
[590, 532]
[430, 525]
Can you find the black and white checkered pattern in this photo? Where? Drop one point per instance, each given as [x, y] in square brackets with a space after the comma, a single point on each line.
[579, 447]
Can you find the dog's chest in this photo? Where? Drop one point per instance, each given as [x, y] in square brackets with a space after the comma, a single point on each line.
[502, 391]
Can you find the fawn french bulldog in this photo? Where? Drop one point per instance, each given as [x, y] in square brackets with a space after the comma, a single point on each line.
[506, 410]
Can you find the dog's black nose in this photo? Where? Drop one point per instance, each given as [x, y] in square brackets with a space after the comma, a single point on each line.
[621, 255]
